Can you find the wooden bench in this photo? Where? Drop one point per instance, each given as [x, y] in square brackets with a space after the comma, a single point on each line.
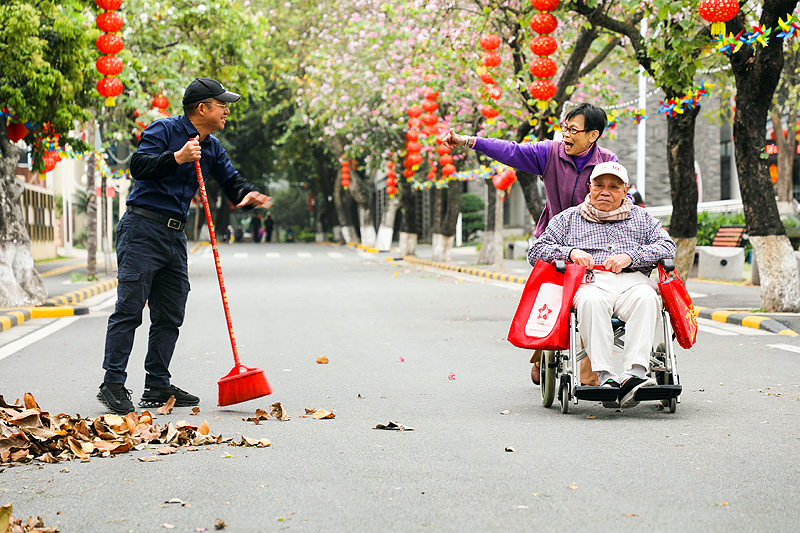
[730, 236]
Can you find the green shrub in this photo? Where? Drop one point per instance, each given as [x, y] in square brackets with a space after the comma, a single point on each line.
[472, 219]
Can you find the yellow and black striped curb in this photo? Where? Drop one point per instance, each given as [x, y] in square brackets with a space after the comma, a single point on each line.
[81, 294]
[368, 249]
[745, 319]
[491, 274]
[720, 315]
[14, 317]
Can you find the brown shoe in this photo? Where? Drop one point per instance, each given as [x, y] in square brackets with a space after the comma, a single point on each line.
[535, 374]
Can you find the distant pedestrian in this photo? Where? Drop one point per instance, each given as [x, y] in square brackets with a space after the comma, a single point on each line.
[151, 243]
[269, 224]
[255, 227]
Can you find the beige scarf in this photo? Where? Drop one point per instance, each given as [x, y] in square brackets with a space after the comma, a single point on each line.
[592, 214]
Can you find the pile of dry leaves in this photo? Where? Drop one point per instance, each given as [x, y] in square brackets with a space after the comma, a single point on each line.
[27, 433]
[9, 524]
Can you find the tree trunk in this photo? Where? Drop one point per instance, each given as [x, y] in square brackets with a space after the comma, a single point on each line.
[91, 210]
[347, 230]
[492, 247]
[20, 284]
[362, 195]
[386, 229]
[757, 71]
[408, 225]
[442, 241]
[786, 147]
[683, 186]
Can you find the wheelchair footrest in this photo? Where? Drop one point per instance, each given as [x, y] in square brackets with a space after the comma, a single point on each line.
[596, 394]
[658, 392]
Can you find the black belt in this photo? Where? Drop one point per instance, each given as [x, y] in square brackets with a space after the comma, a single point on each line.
[171, 223]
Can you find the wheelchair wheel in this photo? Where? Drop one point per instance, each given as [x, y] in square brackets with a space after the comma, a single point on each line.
[564, 397]
[672, 404]
[547, 378]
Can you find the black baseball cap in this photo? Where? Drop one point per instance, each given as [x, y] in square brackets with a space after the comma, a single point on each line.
[203, 88]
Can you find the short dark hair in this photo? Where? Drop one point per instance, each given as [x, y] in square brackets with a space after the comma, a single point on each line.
[191, 109]
[594, 118]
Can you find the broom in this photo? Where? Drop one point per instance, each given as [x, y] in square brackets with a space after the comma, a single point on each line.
[241, 383]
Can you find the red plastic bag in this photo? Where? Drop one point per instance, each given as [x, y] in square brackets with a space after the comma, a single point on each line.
[679, 305]
[542, 318]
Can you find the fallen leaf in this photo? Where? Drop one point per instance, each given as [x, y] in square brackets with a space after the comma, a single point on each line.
[309, 411]
[195, 410]
[167, 407]
[591, 416]
[322, 360]
[451, 375]
[29, 402]
[262, 414]
[320, 414]
[393, 426]
[150, 459]
[203, 429]
[276, 410]
[505, 412]
[630, 514]
[165, 525]
[573, 486]
[166, 450]
[219, 523]
[510, 449]
[5, 518]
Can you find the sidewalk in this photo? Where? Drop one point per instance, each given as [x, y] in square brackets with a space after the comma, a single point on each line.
[67, 286]
[720, 301]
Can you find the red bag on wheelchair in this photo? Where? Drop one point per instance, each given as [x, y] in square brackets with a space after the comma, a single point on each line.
[542, 318]
[679, 306]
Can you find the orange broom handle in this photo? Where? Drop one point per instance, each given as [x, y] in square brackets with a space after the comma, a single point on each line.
[216, 260]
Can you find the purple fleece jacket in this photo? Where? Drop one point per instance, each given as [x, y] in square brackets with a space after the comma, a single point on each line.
[566, 178]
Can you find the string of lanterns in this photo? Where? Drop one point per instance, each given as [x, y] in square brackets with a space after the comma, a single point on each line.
[109, 44]
[345, 173]
[490, 59]
[391, 179]
[543, 68]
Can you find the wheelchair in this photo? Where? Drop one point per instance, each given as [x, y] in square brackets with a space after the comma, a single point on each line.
[560, 370]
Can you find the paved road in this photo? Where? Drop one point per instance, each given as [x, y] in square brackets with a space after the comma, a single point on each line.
[394, 334]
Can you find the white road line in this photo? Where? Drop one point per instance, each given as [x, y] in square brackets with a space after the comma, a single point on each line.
[335, 255]
[272, 254]
[714, 331]
[240, 255]
[13, 347]
[716, 327]
[697, 295]
[304, 255]
[787, 347]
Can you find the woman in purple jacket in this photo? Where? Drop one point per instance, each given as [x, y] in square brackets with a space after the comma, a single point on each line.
[565, 167]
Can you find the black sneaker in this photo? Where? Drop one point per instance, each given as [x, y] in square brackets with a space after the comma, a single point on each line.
[153, 397]
[629, 388]
[611, 384]
[116, 398]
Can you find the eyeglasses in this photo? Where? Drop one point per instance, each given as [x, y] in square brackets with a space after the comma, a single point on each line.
[223, 106]
[570, 130]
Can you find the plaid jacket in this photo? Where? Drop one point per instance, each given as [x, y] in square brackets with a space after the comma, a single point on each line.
[640, 236]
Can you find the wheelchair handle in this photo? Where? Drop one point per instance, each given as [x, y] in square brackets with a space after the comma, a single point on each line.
[561, 266]
[668, 264]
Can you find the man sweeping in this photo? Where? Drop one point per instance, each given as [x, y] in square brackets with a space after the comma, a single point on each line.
[151, 244]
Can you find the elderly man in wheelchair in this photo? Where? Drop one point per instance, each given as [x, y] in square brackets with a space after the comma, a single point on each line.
[619, 243]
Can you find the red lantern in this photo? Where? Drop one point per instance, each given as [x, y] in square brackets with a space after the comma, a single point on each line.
[442, 149]
[414, 147]
[109, 22]
[432, 175]
[428, 130]
[488, 111]
[430, 94]
[391, 190]
[490, 41]
[448, 169]
[49, 162]
[491, 59]
[487, 79]
[493, 91]
[544, 45]
[407, 163]
[430, 106]
[505, 179]
[160, 102]
[543, 89]
[109, 43]
[545, 5]
[429, 119]
[414, 111]
[445, 159]
[408, 173]
[544, 23]
[412, 135]
[17, 131]
[415, 159]
[109, 5]
[543, 67]
[718, 12]
[108, 65]
[413, 123]
[110, 87]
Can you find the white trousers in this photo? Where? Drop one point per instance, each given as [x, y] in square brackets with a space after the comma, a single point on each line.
[631, 297]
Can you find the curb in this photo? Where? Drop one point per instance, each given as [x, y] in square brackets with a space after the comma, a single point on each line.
[368, 249]
[745, 319]
[720, 315]
[81, 294]
[197, 245]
